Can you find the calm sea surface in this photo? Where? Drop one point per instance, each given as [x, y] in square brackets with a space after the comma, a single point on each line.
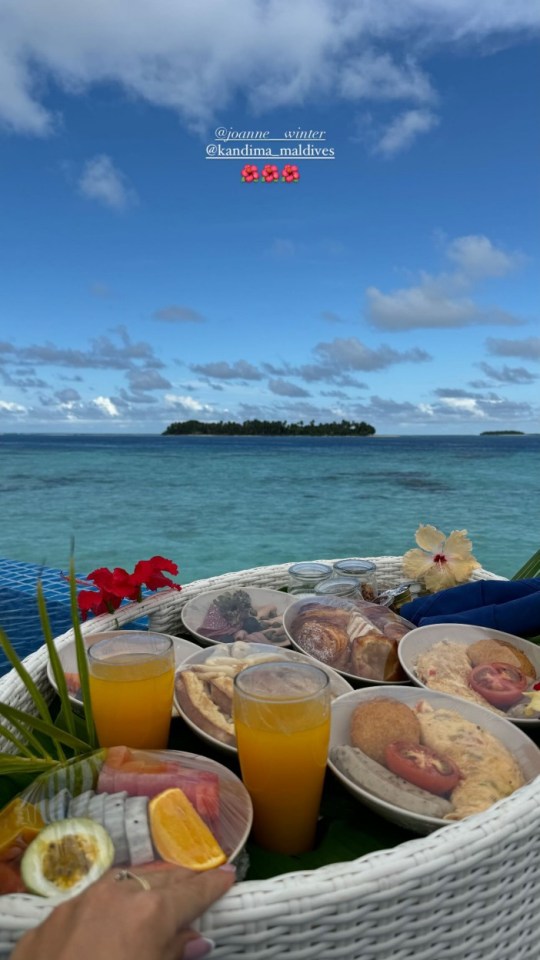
[214, 504]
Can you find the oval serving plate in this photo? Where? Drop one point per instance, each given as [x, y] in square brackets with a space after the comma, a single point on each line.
[117, 795]
[253, 614]
[421, 639]
[521, 747]
[203, 687]
[68, 657]
[356, 680]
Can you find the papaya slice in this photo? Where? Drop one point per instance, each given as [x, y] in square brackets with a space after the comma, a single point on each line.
[19, 821]
[66, 857]
[180, 835]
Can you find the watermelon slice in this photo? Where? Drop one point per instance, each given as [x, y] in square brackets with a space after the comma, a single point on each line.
[143, 777]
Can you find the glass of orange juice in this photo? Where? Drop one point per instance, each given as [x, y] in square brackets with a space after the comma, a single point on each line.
[282, 722]
[131, 689]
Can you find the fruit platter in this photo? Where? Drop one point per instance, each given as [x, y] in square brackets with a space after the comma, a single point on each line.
[121, 807]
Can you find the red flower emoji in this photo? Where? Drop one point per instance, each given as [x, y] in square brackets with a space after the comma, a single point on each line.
[250, 173]
[290, 173]
[270, 173]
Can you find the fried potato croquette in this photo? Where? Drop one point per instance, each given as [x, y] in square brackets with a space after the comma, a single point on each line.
[379, 722]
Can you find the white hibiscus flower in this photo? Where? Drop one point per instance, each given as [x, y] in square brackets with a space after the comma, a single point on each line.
[441, 561]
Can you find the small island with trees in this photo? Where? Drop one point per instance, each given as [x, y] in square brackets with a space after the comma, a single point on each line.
[502, 433]
[270, 428]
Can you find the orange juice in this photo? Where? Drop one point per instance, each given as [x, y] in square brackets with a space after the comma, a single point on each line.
[282, 748]
[132, 699]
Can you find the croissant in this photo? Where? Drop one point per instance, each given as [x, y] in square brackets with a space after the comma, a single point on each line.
[322, 638]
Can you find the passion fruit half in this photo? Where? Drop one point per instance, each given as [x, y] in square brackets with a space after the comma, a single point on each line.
[66, 857]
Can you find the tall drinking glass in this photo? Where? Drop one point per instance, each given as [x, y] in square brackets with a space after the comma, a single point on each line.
[282, 721]
[131, 689]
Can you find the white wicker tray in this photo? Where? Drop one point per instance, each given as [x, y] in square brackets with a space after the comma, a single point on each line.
[470, 891]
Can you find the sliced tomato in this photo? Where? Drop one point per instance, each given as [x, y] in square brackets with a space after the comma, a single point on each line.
[501, 684]
[422, 766]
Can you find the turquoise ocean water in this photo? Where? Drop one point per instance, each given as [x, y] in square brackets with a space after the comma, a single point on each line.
[214, 504]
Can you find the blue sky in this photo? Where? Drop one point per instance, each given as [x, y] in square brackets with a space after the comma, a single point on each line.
[141, 283]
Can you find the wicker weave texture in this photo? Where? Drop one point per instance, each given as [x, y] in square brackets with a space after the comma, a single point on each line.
[470, 891]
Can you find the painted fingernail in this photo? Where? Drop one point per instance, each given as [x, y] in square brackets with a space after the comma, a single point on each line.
[197, 948]
[228, 868]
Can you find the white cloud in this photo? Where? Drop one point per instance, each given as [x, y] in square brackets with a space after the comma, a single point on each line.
[102, 181]
[528, 349]
[403, 130]
[8, 407]
[188, 404]
[350, 353]
[106, 406]
[284, 389]
[222, 370]
[508, 374]
[195, 57]
[477, 257]
[438, 301]
[463, 405]
[175, 313]
[373, 76]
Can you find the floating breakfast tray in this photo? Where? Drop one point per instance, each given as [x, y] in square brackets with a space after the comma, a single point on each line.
[467, 892]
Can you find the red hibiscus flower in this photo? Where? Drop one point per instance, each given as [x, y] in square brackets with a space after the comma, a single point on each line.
[249, 173]
[113, 586]
[148, 573]
[290, 173]
[270, 173]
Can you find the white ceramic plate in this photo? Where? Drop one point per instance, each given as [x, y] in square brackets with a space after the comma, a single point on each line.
[68, 658]
[423, 638]
[522, 748]
[200, 612]
[338, 685]
[290, 616]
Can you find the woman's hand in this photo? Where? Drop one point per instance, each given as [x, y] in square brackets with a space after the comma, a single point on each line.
[120, 920]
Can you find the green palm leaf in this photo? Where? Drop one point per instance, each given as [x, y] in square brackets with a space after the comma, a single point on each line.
[529, 569]
[13, 715]
[82, 662]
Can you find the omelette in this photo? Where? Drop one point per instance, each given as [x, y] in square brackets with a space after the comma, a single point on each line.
[488, 770]
[446, 667]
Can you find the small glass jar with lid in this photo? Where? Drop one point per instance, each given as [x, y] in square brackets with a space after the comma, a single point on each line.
[364, 570]
[339, 587]
[304, 577]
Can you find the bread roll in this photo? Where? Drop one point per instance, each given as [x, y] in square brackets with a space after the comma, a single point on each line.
[374, 657]
[493, 650]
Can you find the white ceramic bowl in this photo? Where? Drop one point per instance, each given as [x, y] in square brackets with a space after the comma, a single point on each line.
[196, 610]
[292, 612]
[68, 656]
[338, 685]
[423, 638]
[522, 748]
